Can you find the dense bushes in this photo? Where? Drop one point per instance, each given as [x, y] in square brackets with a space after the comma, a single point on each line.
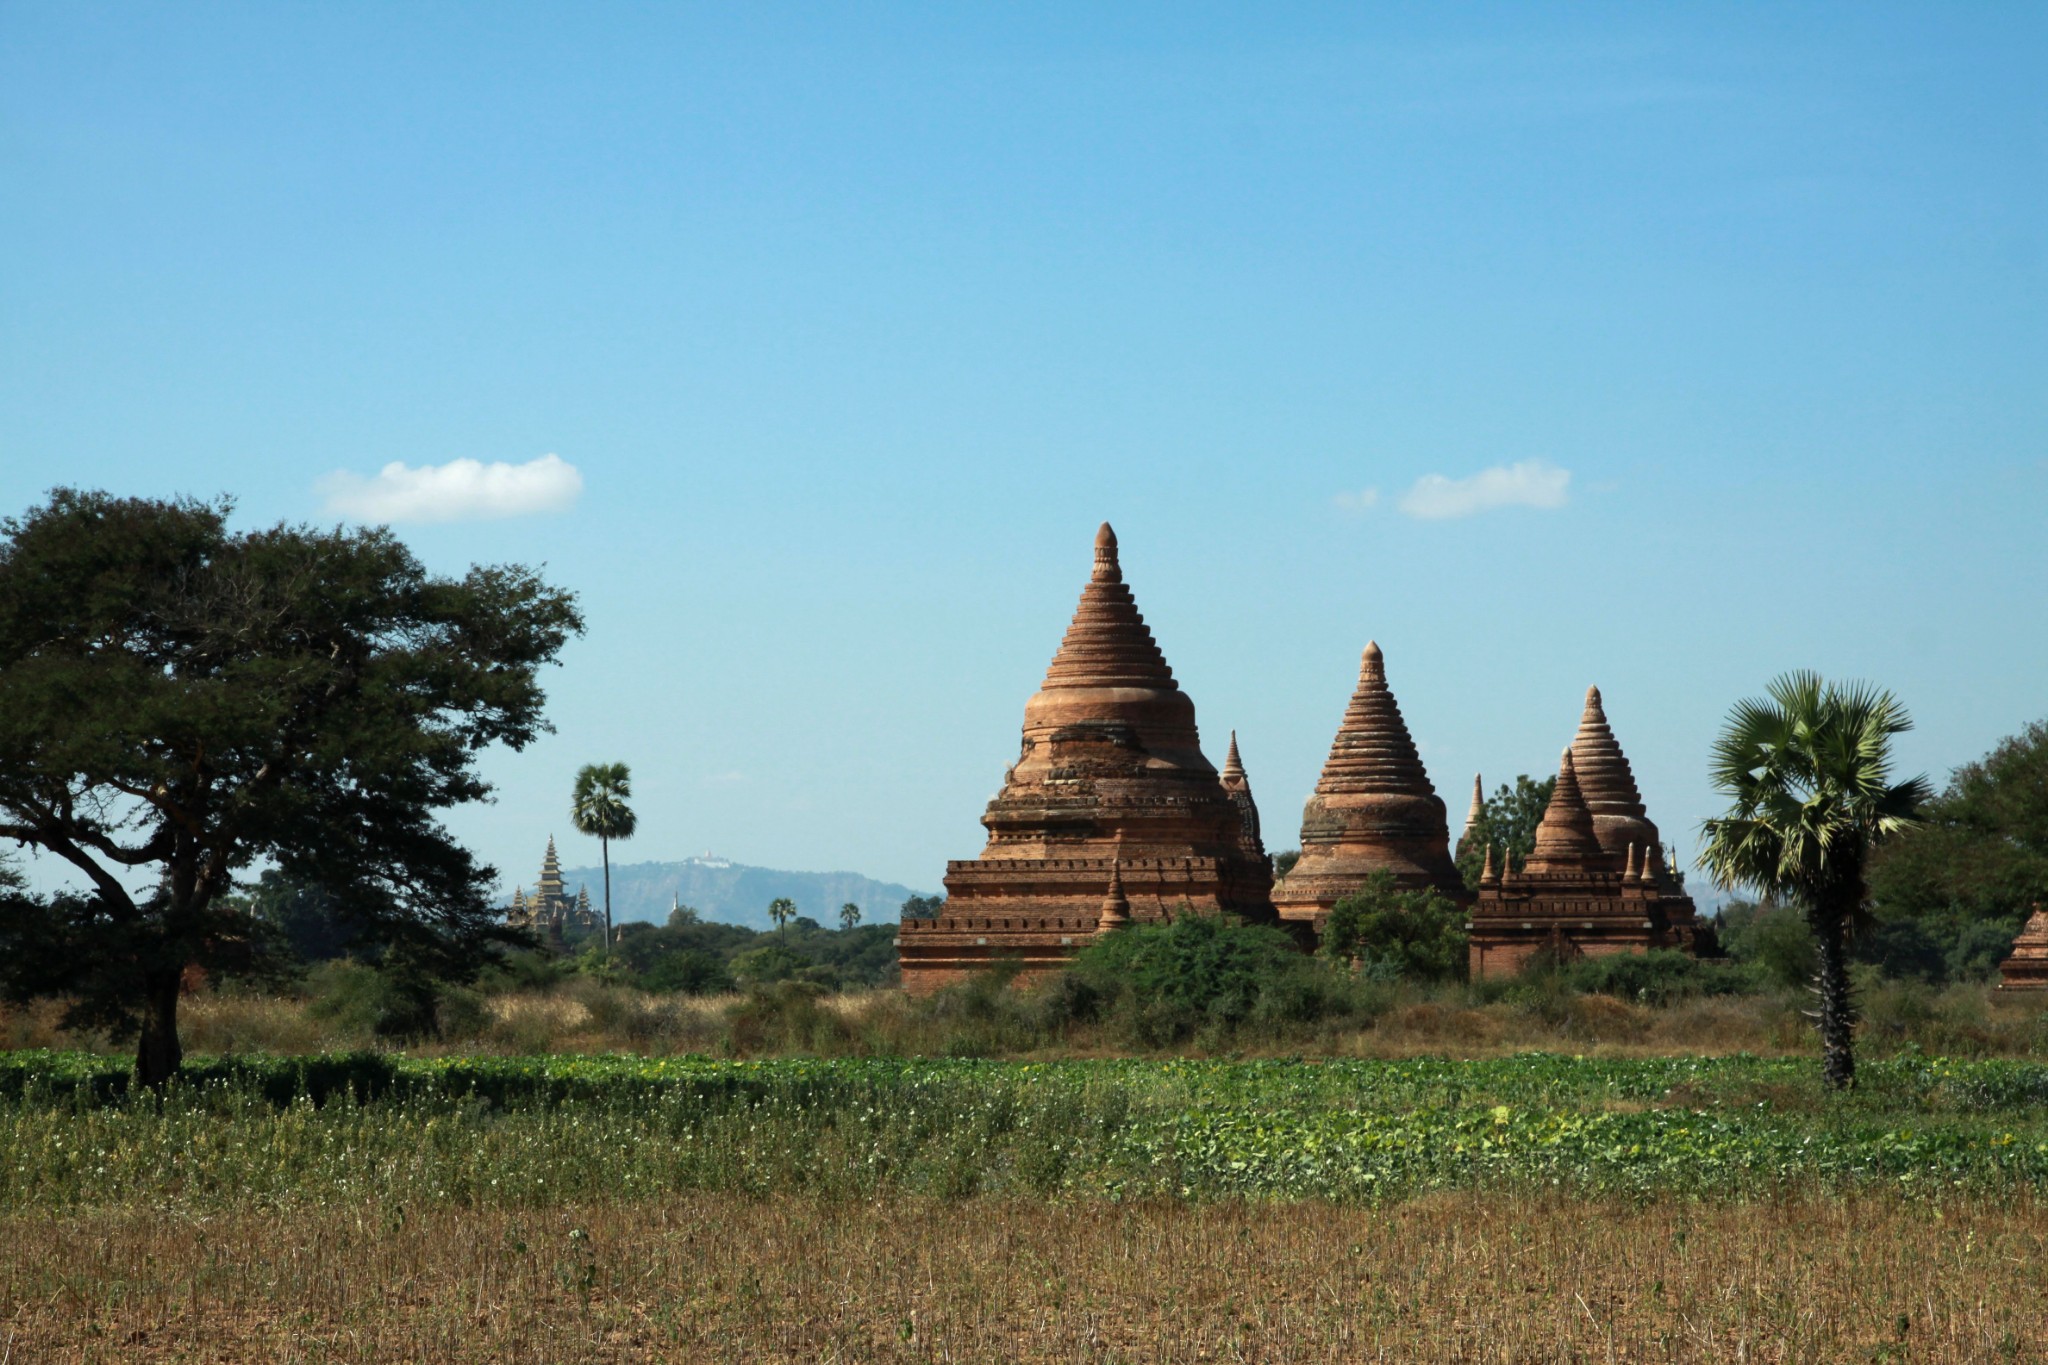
[1390, 934]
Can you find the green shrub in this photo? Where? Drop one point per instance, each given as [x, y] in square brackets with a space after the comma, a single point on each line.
[1166, 981]
[1391, 933]
[1656, 978]
[689, 972]
[1775, 939]
[366, 1001]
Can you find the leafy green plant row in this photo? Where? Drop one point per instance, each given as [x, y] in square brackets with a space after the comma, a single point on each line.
[832, 1131]
[1905, 1084]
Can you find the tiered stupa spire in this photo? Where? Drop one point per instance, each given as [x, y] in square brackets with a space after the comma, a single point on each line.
[1608, 783]
[1565, 841]
[1373, 809]
[1475, 813]
[1239, 788]
[1110, 783]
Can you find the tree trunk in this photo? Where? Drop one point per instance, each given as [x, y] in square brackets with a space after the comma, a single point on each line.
[158, 1055]
[1837, 1014]
[605, 848]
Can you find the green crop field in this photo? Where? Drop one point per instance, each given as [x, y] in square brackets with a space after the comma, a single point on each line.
[525, 1131]
[374, 1207]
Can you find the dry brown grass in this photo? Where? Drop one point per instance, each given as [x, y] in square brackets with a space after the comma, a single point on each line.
[1454, 1278]
[584, 1016]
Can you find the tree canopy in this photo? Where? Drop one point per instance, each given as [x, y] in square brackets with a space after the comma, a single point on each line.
[1507, 820]
[180, 701]
[1949, 895]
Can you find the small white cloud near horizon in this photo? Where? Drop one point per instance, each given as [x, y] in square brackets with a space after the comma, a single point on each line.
[1360, 501]
[461, 490]
[1526, 483]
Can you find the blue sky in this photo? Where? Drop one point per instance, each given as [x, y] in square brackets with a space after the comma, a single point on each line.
[851, 323]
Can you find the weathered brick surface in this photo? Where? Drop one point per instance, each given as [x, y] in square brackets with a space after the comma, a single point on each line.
[1110, 783]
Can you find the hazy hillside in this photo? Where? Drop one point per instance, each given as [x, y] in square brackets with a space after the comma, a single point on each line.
[736, 893]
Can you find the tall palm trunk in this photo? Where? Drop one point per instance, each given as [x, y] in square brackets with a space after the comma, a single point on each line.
[1837, 1011]
[159, 1054]
[605, 851]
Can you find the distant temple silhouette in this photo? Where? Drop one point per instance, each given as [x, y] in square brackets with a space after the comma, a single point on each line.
[551, 911]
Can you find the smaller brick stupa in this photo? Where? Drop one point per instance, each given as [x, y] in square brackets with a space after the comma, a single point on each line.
[1110, 814]
[1572, 898]
[1239, 788]
[2026, 967]
[1373, 810]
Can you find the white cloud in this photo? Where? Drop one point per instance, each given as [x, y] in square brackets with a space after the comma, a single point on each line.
[1360, 501]
[461, 490]
[1526, 483]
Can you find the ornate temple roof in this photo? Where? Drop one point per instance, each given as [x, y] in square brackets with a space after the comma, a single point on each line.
[1373, 751]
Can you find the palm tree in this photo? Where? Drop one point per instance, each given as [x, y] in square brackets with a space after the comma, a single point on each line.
[849, 915]
[1809, 771]
[782, 910]
[598, 808]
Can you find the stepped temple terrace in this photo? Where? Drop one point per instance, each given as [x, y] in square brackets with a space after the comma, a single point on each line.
[1111, 811]
[1596, 881]
[2026, 967]
[1373, 810]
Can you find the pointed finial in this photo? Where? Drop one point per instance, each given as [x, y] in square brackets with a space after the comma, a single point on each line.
[1478, 811]
[1487, 876]
[1592, 699]
[1629, 871]
[1107, 570]
[1233, 766]
[1374, 664]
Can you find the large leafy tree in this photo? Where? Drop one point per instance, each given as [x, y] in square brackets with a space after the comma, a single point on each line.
[597, 806]
[1808, 770]
[1963, 881]
[180, 701]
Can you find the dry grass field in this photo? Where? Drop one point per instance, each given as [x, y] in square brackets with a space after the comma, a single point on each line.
[707, 1277]
[585, 1017]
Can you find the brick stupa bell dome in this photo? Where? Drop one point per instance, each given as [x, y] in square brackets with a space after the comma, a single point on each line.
[1373, 809]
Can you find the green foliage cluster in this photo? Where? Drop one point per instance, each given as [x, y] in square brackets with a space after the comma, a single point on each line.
[520, 1132]
[1196, 975]
[1948, 897]
[1507, 821]
[695, 956]
[181, 701]
[1389, 934]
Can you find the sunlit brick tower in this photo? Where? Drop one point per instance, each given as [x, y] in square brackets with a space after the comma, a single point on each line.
[1110, 803]
[1373, 810]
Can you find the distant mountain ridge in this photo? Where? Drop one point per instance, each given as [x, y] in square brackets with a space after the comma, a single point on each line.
[735, 893]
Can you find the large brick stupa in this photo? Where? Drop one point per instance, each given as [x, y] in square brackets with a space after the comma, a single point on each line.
[1110, 803]
[1373, 810]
